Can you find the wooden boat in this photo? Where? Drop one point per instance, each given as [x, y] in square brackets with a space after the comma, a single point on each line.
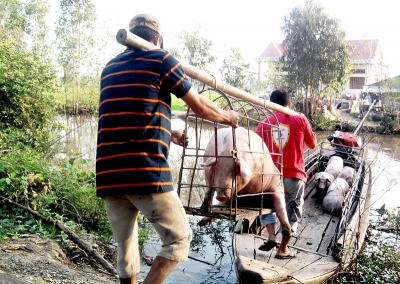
[325, 243]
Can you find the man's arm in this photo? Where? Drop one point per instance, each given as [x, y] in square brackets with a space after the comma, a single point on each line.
[310, 138]
[313, 144]
[206, 109]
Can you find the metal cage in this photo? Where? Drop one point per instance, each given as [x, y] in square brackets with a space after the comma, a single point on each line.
[192, 185]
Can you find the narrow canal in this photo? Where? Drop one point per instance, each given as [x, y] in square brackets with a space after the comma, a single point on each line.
[211, 260]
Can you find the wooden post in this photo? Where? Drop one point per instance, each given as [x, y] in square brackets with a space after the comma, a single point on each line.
[128, 39]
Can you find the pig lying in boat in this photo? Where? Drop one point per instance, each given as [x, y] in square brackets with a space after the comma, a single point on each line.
[324, 179]
[247, 167]
[334, 166]
[348, 173]
[333, 200]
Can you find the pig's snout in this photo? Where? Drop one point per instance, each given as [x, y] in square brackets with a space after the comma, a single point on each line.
[223, 194]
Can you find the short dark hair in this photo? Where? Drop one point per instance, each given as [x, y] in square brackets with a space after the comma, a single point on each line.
[280, 97]
[146, 33]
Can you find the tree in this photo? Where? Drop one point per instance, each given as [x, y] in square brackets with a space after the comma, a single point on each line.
[27, 86]
[317, 56]
[196, 50]
[12, 20]
[36, 28]
[74, 38]
[235, 70]
[25, 23]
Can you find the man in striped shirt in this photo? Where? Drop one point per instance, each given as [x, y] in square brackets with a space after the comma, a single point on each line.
[134, 135]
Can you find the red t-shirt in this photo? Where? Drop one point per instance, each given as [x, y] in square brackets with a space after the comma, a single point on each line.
[295, 131]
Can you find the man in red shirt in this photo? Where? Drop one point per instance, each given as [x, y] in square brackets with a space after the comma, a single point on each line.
[294, 131]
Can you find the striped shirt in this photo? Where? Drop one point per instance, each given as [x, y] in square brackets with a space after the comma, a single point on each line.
[134, 125]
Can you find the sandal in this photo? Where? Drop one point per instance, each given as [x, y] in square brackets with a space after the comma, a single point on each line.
[267, 246]
[292, 254]
[148, 259]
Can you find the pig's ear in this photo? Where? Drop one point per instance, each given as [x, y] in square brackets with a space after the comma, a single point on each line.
[330, 177]
[209, 162]
[242, 168]
[317, 177]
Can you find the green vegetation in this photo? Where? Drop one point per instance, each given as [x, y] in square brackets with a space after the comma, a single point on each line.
[323, 123]
[317, 55]
[27, 87]
[379, 262]
[177, 104]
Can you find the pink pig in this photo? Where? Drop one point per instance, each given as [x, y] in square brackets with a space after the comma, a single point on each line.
[253, 159]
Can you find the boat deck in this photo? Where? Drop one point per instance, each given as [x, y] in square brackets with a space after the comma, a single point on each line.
[315, 261]
[314, 237]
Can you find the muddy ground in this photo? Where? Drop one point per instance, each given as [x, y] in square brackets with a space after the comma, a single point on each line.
[31, 259]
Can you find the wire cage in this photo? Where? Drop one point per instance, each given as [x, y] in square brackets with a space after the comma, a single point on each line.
[192, 186]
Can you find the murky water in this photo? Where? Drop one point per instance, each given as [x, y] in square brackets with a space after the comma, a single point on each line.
[208, 265]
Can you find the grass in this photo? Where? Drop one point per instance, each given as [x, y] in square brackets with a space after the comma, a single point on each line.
[179, 104]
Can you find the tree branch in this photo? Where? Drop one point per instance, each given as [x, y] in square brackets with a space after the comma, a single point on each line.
[81, 243]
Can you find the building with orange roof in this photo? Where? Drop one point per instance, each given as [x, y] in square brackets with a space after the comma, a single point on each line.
[368, 64]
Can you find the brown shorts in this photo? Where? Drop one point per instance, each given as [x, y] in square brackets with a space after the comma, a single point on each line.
[168, 217]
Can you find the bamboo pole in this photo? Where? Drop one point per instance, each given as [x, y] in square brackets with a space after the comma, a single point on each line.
[128, 39]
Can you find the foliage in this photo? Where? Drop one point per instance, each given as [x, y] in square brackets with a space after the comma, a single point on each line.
[13, 21]
[380, 260]
[36, 28]
[194, 49]
[177, 104]
[24, 23]
[75, 43]
[317, 55]
[70, 193]
[234, 70]
[323, 123]
[27, 87]
[274, 76]
[14, 222]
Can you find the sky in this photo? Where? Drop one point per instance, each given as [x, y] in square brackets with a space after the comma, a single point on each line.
[252, 24]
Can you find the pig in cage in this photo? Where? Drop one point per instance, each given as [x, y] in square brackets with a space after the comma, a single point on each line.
[229, 173]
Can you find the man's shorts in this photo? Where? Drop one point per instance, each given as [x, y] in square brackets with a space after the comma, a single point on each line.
[168, 217]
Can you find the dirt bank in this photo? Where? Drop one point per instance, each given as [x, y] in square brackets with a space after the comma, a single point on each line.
[31, 259]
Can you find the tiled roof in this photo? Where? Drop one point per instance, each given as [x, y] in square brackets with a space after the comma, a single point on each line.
[365, 49]
[273, 50]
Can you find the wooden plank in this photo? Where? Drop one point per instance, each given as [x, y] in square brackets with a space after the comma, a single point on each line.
[312, 236]
[306, 265]
[228, 213]
[258, 272]
[328, 236]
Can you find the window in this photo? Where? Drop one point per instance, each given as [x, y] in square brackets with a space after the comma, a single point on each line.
[357, 71]
[357, 82]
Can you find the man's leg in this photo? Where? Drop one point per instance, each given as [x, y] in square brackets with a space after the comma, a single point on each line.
[159, 270]
[268, 220]
[280, 210]
[168, 217]
[294, 198]
[130, 280]
[122, 215]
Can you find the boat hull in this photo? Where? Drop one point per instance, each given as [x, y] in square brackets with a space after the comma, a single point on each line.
[325, 243]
